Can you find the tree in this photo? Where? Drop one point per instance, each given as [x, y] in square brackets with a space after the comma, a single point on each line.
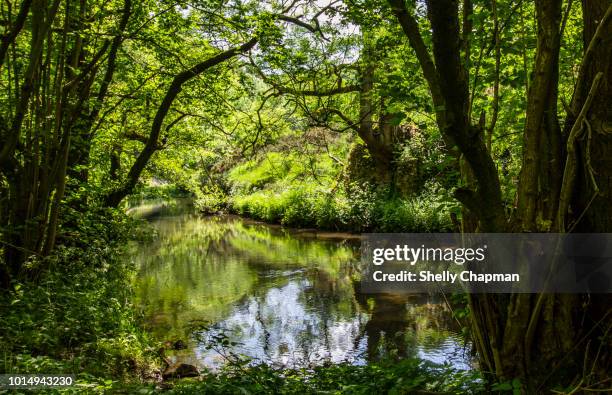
[151, 144]
[499, 321]
[44, 102]
[349, 82]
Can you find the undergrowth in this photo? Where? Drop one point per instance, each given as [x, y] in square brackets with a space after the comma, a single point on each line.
[71, 312]
[312, 190]
[307, 206]
[410, 376]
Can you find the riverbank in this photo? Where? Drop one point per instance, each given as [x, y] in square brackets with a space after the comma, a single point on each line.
[283, 186]
[81, 317]
[77, 315]
[366, 212]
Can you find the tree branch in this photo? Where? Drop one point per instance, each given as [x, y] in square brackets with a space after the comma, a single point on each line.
[112, 59]
[316, 93]
[115, 197]
[569, 173]
[411, 28]
[349, 122]
[284, 90]
[10, 35]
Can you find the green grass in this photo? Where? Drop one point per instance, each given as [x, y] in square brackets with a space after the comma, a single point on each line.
[299, 189]
[308, 206]
[285, 168]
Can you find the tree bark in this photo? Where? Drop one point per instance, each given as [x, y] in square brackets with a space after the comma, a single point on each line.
[591, 205]
[539, 182]
[486, 200]
[591, 201]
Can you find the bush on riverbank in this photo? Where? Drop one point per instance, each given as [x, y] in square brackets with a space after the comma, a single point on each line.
[308, 206]
[410, 376]
[74, 313]
[314, 189]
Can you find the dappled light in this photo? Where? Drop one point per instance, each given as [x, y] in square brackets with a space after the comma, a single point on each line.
[191, 192]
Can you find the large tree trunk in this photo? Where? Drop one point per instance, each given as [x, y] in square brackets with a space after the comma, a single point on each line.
[544, 339]
[531, 325]
[537, 338]
[539, 183]
[380, 148]
[34, 154]
[591, 202]
[592, 198]
[20, 153]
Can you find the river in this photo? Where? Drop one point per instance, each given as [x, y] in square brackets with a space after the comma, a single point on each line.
[286, 297]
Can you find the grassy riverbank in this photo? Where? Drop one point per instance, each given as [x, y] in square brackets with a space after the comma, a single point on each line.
[312, 188]
[307, 206]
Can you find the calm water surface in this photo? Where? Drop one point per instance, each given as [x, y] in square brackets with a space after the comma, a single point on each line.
[285, 297]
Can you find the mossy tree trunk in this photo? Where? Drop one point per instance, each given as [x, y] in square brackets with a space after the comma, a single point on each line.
[537, 338]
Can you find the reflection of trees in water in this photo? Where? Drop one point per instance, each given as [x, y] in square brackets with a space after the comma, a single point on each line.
[400, 322]
[224, 271]
[328, 294]
[387, 327]
[266, 333]
[332, 297]
[325, 302]
[188, 273]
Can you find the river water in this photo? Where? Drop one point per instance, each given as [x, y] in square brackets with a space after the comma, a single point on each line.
[284, 297]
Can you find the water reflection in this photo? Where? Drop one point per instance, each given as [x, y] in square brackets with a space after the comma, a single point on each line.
[287, 298]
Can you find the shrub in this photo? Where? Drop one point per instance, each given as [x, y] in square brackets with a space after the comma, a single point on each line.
[420, 214]
[74, 314]
[364, 210]
[404, 377]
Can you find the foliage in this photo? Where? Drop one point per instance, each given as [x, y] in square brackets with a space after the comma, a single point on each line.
[404, 377]
[302, 186]
[151, 192]
[252, 106]
[77, 315]
[305, 206]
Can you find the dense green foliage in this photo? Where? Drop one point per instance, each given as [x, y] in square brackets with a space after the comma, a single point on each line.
[78, 315]
[358, 115]
[404, 377]
[304, 184]
[305, 206]
[283, 189]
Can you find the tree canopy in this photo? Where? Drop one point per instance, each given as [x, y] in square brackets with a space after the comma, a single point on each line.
[500, 109]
